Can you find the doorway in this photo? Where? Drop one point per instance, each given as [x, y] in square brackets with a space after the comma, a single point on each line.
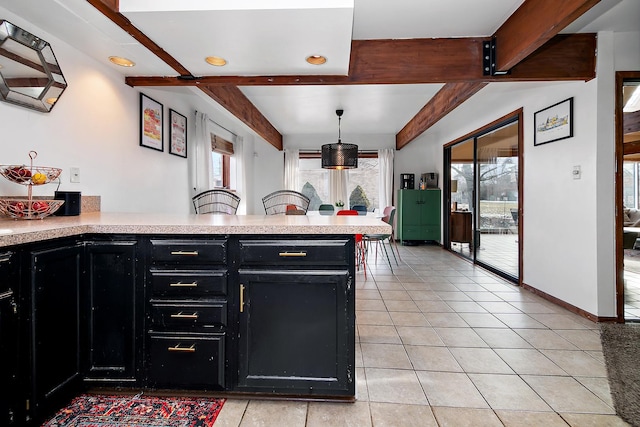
[483, 187]
[628, 196]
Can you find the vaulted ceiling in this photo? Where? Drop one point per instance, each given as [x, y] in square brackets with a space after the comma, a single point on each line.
[394, 67]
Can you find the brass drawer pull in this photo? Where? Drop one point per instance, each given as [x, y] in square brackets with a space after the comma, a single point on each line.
[193, 316]
[241, 298]
[187, 253]
[293, 254]
[191, 349]
[184, 285]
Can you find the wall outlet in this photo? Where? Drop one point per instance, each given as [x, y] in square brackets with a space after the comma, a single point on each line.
[577, 173]
[75, 174]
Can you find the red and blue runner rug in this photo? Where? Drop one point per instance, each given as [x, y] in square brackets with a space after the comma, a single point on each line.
[89, 410]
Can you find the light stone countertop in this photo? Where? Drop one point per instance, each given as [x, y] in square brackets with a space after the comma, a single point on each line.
[14, 232]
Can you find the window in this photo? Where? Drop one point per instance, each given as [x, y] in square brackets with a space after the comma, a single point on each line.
[362, 187]
[630, 176]
[221, 152]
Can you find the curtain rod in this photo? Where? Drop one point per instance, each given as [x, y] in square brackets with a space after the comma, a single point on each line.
[219, 125]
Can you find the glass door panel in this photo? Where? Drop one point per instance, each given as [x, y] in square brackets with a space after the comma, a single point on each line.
[462, 197]
[496, 218]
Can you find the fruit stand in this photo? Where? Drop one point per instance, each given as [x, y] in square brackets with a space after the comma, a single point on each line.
[29, 175]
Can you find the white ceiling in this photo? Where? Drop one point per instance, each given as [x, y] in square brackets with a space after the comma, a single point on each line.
[275, 40]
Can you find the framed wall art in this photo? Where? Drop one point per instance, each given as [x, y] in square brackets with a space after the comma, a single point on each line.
[151, 114]
[554, 123]
[177, 134]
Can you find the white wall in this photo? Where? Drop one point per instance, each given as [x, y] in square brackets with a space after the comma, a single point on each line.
[95, 127]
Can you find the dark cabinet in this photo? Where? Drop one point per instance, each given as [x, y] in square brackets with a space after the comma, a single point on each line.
[296, 321]
[187, 313]
[54, 323]
[10, 401]
[112, 313]
[418, 216]
[461, 230]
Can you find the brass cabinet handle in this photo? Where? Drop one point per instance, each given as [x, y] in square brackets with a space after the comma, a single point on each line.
[191, 349]
[187, 253]
[193, 316]
[241, 298]
[184, 285]
[292, 254]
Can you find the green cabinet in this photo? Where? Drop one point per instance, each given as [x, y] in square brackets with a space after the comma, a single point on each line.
[418, 216]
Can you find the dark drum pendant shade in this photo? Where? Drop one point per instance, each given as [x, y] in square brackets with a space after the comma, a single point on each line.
[339, 155]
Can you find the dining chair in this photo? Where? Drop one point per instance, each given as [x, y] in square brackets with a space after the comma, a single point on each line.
[216, 201]
[361, 209]
[276, 203]
[360, 248]
[325, 209]
[386, 212]
[379, 239]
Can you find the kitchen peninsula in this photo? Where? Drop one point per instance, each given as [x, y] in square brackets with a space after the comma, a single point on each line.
[236, 305]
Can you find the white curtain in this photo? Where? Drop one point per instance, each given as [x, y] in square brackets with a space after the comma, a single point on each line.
[385, 177]
[241, 174]
[338, 184]
[291, 166]
[200, 156]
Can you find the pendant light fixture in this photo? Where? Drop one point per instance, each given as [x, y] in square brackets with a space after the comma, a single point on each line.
[339, 155]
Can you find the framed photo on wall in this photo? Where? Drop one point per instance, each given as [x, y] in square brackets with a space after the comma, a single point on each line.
[151, 114]
[177, 134]
[554, 123]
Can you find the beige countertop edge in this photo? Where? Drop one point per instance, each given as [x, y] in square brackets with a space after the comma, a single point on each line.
[15, 232]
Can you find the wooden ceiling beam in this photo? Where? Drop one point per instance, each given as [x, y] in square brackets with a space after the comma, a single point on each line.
[446, 100]
[416, 61]
[233, 100]
[229, 97]
[533, 24]
[631, 122]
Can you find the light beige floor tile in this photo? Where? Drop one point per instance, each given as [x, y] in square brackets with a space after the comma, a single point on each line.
[460, 337]
[590, 420]
[367, 294]
[370, 304]
[394, 386]
[424, 295]
[428, 358]
[418, 286]
[533, 307]
[545, 339]
[231, 413]
[466, 307]
[460, 279]
[483, 295]
[390, 286]
[265, 413]
[393, 414]
[408, 319]
[358, 356]
[482, 320]
[395, 295]
[393, 306]
[362, 393]
[508, 392]
[419, 335]
[385, 356]
[446, 320]
[430, 306]
[502, 338]
[529, 361]
[565, 394]
[583, 339]
[530, 419]
[469, 287]
[373, 318]
[558, 321]
[598, 386]
[577, 363]
[465, 417]
[453, 296]
[480, 360]
[501, 307]
[322, 414]
[519, 320]
[450, 389]
[378, 334]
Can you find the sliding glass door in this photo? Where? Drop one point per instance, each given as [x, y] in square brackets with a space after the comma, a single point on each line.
[484, 198]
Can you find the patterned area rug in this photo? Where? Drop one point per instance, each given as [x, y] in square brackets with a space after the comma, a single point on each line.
[137, 411]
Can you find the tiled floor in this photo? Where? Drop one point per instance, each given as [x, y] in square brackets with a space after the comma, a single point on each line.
[632, 285]
[497, 250]
[443, 343]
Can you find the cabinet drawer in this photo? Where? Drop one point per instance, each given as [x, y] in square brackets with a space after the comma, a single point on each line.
[194, 361]
[189, 283]
[412, 233]
[188, 315]
[296, 252]
[189, 251]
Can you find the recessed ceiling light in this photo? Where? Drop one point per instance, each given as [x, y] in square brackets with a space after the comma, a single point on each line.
[316, 59]
[123, 62]
[216, 60]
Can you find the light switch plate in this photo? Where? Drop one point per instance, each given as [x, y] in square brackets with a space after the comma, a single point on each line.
[577, 173]
[75, 174]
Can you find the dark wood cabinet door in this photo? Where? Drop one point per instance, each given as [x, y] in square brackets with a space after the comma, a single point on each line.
[112, 302]
[10, 395]
[55, 326]
[296, 332]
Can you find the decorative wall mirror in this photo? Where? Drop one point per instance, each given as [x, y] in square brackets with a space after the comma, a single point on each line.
[29, 73]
